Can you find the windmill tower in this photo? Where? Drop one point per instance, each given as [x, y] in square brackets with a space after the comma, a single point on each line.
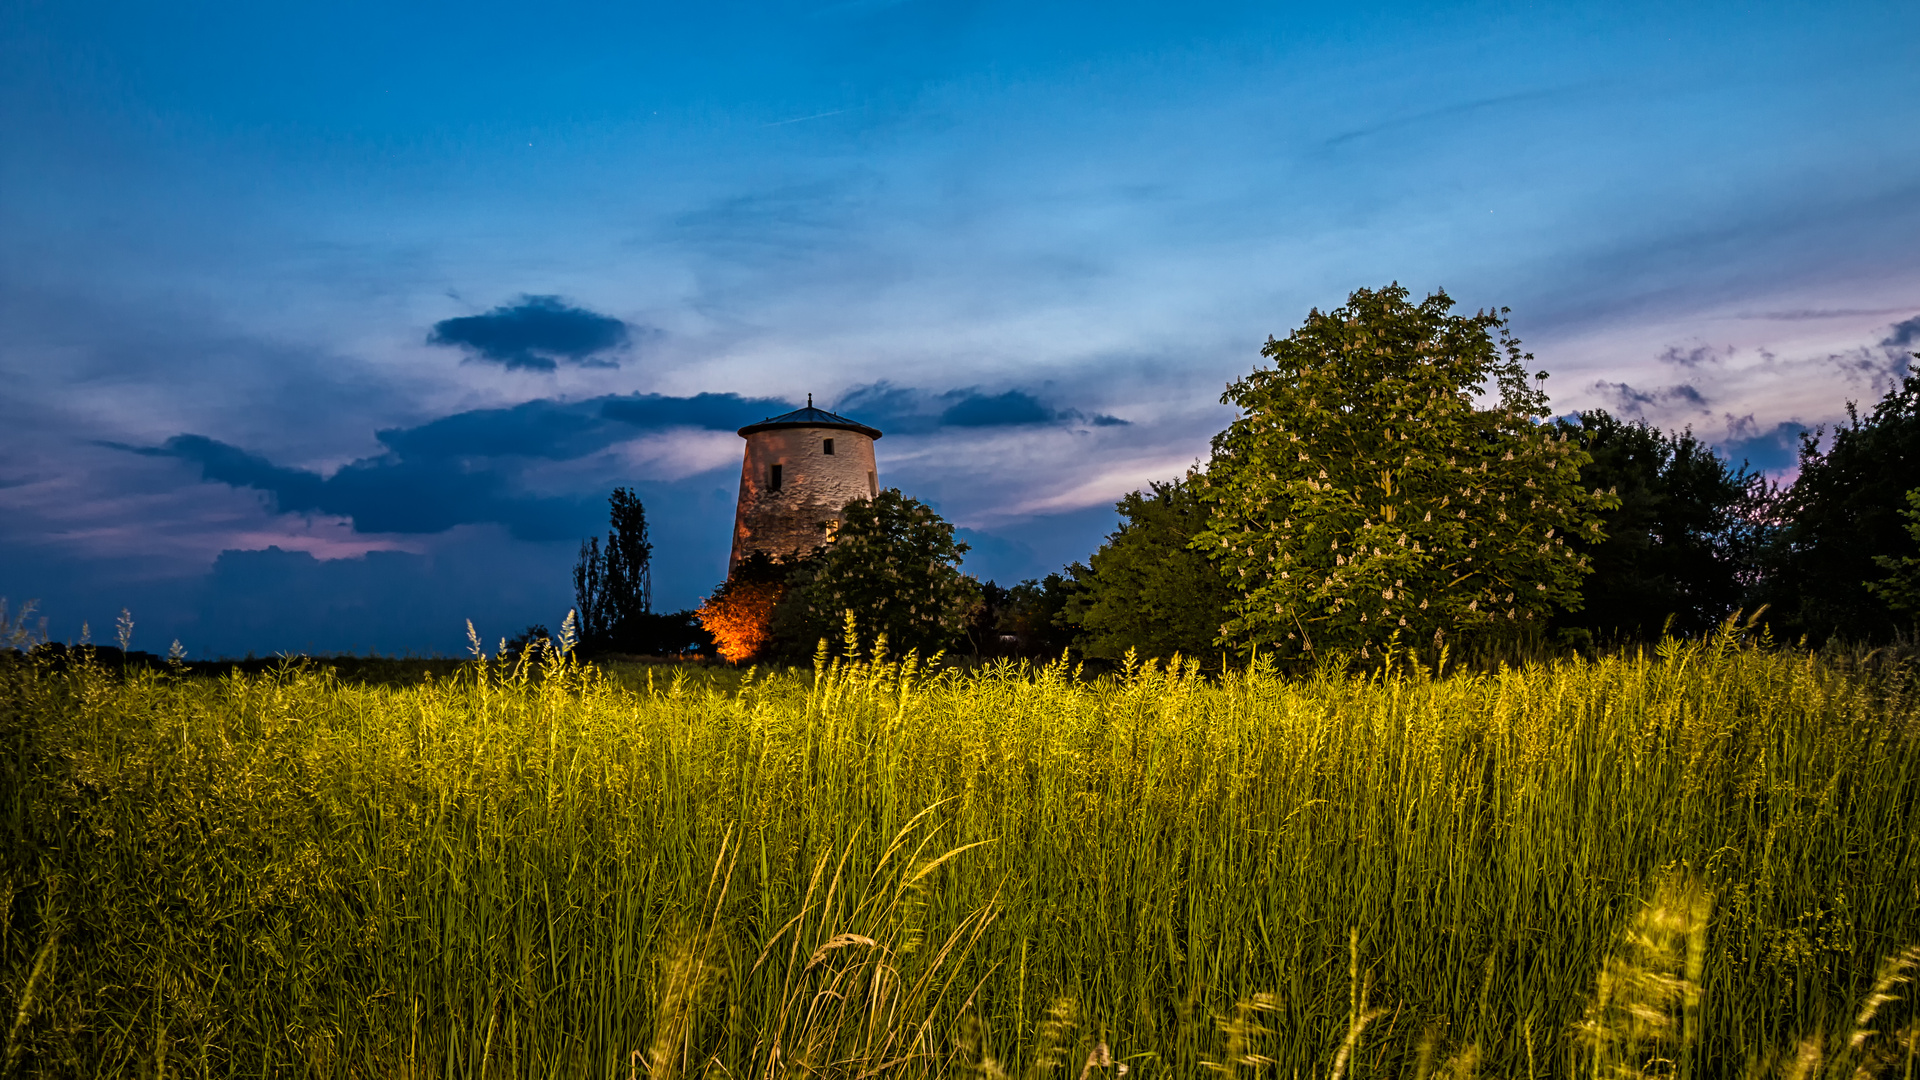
[801, 468]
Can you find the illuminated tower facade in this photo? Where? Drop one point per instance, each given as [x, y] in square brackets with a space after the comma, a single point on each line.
[801, 469]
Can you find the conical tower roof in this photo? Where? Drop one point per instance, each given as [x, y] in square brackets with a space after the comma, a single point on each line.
[810, 417]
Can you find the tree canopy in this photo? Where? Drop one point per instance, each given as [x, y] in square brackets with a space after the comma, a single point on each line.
[1147, 589]
[1365, 492]
[1022, 620]
[895, 564]
[1846, 510]
[1900, 589]
[1681, 542]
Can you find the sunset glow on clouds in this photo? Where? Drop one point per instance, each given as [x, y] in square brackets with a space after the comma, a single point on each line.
[332, 327]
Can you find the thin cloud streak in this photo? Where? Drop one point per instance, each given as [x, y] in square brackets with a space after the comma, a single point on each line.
[804, 119]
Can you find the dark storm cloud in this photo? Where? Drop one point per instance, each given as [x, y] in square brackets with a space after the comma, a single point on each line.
[471, 468]
[888, 407]
[387, 494]
[295, 490]
[537, 333]
[464, 469]
[715, 412]
[911, 412]
[563, 431]
[1010, 408]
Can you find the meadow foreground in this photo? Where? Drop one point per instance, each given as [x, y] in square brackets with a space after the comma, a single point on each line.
[1691, 862]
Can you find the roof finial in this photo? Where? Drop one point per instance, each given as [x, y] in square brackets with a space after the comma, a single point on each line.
[809, 400]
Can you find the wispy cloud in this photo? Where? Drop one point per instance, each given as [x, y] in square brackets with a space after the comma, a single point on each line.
[1814, 314]
[1689, 356]
[1633, 401]
[1426, 117]
[804, 119]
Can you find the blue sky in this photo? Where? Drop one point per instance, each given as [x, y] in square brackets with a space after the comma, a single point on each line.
[331, 326]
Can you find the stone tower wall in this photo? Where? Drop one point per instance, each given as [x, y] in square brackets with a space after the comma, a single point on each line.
[814, 487]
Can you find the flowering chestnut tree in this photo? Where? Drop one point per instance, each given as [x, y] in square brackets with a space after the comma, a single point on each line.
[1389, 474]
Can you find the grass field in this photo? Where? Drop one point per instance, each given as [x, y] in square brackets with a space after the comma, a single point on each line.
[1687, 863]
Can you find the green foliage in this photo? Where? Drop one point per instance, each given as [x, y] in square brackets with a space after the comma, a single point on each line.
[894, 563]
[1363, 493]
[528, 870]
[663, 633]
[1024, 620]
[1900, 590]
[1842, 514]
[1681, 542]
[1146, 589]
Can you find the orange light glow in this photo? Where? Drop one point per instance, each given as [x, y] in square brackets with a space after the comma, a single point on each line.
[740, 617]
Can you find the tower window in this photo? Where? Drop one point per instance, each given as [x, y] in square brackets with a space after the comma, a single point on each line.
[826, 447]
[873, 484]
[773, 479]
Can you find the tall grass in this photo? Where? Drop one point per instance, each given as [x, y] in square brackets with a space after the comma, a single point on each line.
[1692, 862]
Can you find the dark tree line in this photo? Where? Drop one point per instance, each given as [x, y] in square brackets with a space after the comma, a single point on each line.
[1693, 539]
[1146, 589]
[1698, 538]
[1836, 536]
[1682, 548]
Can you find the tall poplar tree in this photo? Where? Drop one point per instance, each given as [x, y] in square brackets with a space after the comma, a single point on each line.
[613, 586]
[1366, 490]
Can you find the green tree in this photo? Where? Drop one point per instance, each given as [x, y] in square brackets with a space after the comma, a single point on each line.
[1022, 620]
[894, 563]
[1365, 492]
[1680, 543]
[1147, 589]
[1032, 615]
[1842, 513]
[1900, 590]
